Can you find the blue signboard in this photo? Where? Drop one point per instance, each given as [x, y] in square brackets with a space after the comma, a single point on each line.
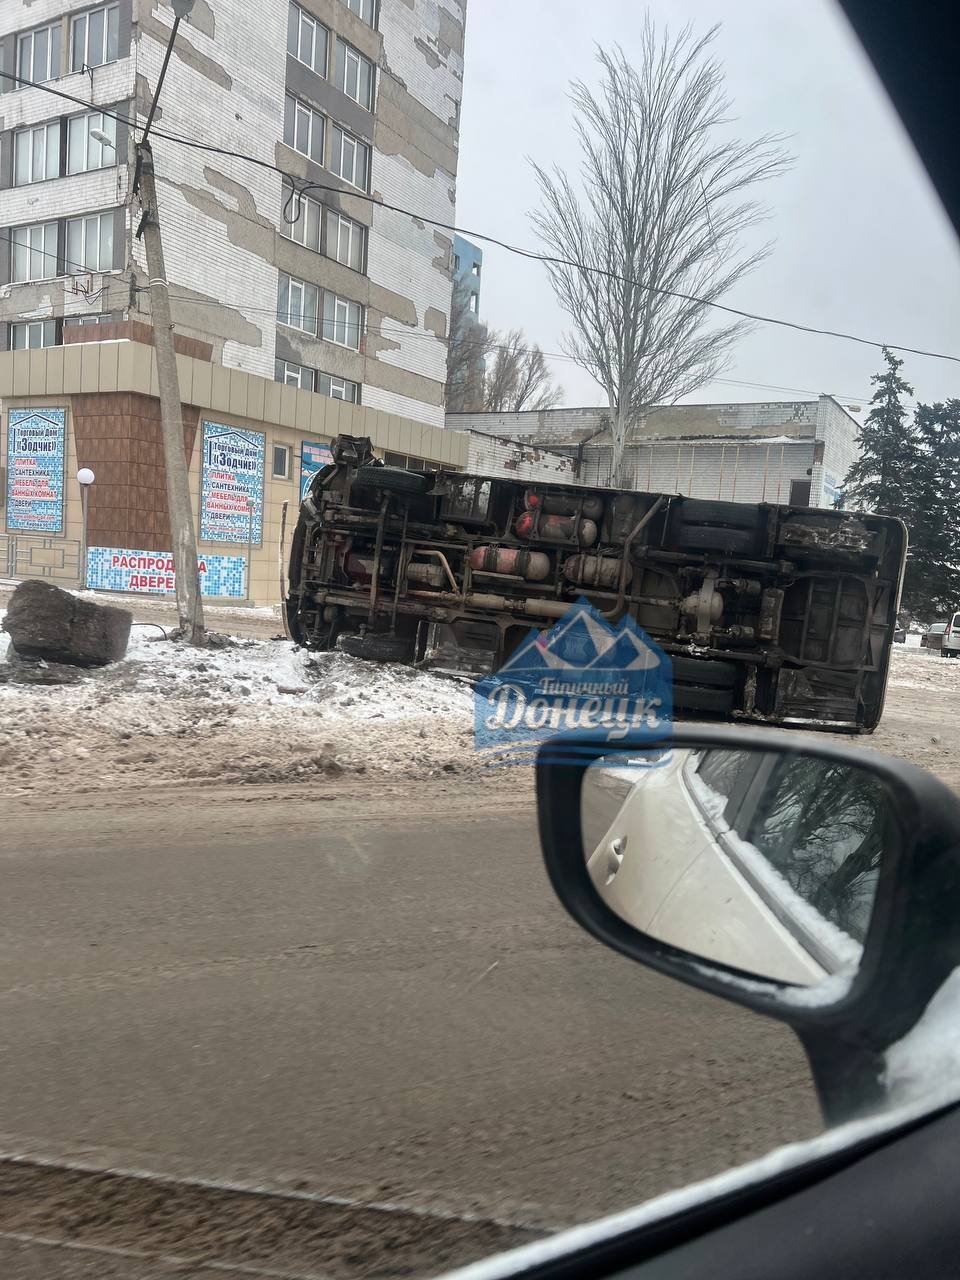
[152, 572]
[312, 458]
[35, 449]
[231, 484]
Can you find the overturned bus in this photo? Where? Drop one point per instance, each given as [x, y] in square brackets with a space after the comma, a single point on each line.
[777, 614]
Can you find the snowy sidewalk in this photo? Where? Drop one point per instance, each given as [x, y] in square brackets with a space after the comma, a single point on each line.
[258, 712]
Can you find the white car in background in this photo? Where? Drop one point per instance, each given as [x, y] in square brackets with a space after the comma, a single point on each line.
[950, 645]
[755, 860]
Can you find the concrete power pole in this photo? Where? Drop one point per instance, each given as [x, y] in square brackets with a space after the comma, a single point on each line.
[179, 507]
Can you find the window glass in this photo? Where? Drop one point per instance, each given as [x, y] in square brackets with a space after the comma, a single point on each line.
[342, 321]
[344, 240]
[38, 54]
[297, 304]
[33, 334]
[823, 826]
[339, 388]
[85, 152]
[281, 461]
[354, 74]
[34, 252]
[307, 39]
[89, 243]
[363, 9]
[36, 154]
[95, 37]
[295, 375]
[350, 158]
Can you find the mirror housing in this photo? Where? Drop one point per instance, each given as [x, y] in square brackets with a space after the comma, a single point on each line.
[911, 946]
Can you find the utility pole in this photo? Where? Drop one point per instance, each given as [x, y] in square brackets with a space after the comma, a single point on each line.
[179, 507]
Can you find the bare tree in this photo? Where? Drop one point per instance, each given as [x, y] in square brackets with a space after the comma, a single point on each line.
[519, 377]
[487, 371]
[469, 342]
[657, 230]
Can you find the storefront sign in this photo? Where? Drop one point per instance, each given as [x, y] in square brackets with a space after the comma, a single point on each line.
[312, 458]
[35, 449]
[119, 569]
[231, 484]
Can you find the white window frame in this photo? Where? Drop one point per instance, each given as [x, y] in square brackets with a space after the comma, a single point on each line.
[93, 248]
[287, 452]
[358, 148]
[311, 217]
[38, 240]
[338, 388]
[366, 10]
[294, 110]
[346, 318]
[50, 148]
[28, 327]
[296, 318]
[337, 229]
[108, 155]
[111, 16]
[349, 64]
[307, 21]
[51, 69]
[289, 374]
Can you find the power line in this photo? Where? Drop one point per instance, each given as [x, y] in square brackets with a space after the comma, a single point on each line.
[531, 254]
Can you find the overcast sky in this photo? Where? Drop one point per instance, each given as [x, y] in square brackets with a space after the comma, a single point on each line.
[861, 242]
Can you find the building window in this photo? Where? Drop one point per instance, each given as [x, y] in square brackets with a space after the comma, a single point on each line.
[456, 263]
[84, 322]
[354, 74]
[350, 159]
[475, 303]
[295, 375]
[38, 54]
[281, 462]
[33, 334]
[95, 37]
[84, 151]
[364, 9]
[303, 128]
[298, 304]
[34, 252]
[476, 269]
[36, 154]
[90, 243]
[300, 220]
[342, 321]
[307, 39]
[339, 388]
[344, 240]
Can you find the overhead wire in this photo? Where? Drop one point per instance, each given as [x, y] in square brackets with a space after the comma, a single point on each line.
[553, 260]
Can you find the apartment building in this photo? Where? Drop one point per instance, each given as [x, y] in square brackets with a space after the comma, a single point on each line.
[308, 278]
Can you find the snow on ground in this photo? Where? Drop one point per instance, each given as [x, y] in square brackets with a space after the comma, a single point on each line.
[259, 711]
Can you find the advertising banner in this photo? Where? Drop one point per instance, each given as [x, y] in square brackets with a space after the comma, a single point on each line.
[151, 572]
[312, 458]
[231, 478]
[35, 461]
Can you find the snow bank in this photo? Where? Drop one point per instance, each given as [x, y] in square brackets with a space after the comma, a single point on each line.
[258, 711]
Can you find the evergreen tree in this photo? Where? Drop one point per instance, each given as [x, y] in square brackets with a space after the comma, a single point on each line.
[932, 582]
[881, 479]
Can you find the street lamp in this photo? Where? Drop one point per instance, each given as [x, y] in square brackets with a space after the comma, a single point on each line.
[85, 479]
[99, 136]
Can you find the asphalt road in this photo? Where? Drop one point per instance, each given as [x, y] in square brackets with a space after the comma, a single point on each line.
[367, 996]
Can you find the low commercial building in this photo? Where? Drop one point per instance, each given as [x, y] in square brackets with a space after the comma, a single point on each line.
[253, 445]
[791, 451]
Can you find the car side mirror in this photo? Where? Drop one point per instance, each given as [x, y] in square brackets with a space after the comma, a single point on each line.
[810, 881]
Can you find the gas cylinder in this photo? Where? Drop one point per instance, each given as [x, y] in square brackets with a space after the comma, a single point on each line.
[521, 563]
[555, 528]
[563, 504]
[594, 571]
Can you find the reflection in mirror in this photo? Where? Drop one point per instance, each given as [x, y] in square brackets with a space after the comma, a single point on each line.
[766, 861]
